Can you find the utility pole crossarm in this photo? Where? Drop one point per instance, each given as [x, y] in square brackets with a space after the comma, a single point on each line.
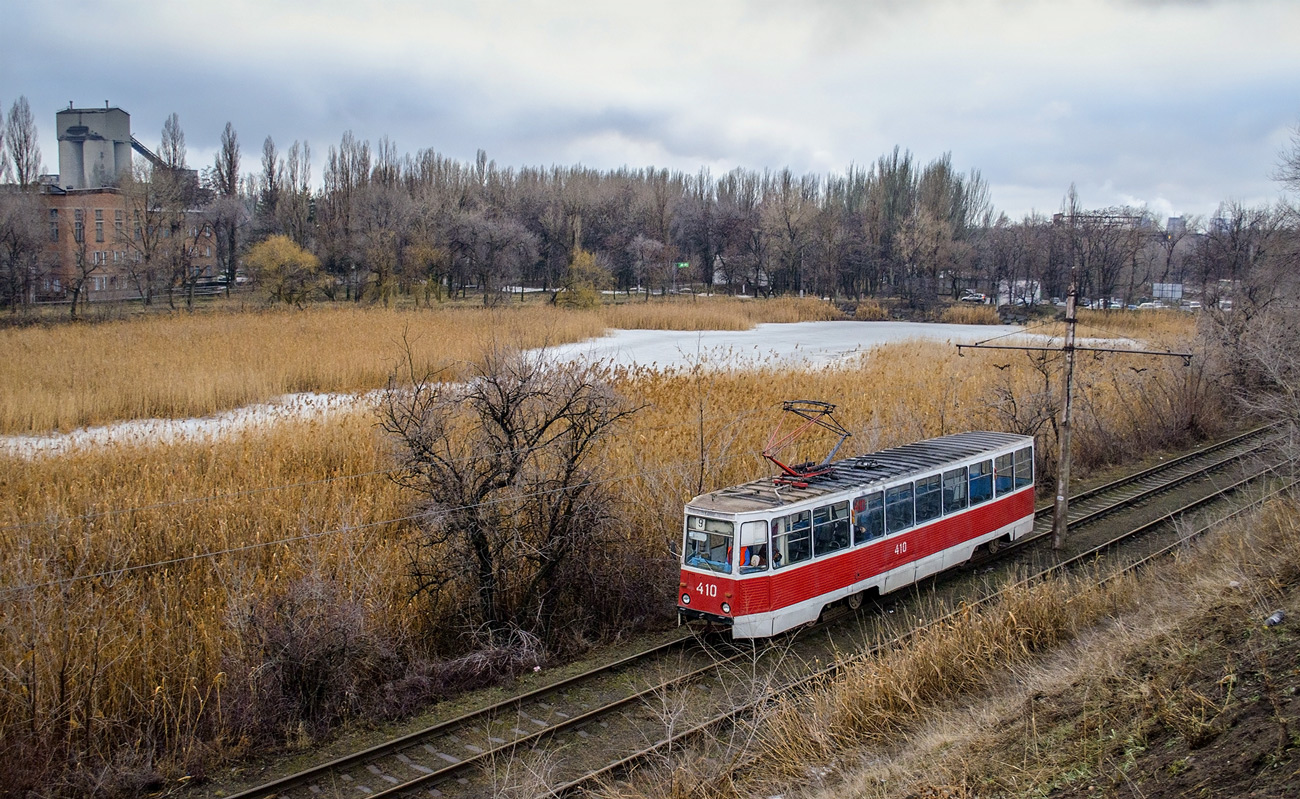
[979, 345]
[1060, 511]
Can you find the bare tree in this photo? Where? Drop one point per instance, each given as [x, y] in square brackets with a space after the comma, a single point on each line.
[1288, 168]
[21, 141]
[489, 251]
[22, 237]
[505, 463]
[6, 167]
[172, 148]
[85, 264]
[145, 231]
[294, 211]
[646, 254]
[347, 173]
[227, 212]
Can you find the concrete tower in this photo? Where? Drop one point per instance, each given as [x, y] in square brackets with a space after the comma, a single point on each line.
[94, 146]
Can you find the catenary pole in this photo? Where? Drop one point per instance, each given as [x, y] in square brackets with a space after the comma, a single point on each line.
[1060, 511]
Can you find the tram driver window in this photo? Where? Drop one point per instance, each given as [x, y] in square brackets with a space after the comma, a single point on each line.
[791, 539]
[954, 490]
[981, 482]
[708, 544]
[868, 517]
[898, 508]
[830, 528]
[753, 547]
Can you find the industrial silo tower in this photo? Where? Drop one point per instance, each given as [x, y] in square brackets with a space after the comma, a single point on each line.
[94, 146]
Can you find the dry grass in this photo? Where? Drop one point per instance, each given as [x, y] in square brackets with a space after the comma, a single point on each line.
[136, 655]
[1157, 324]
[967, 314]
[870, 311]
[716, 313]
[71, 376]
[1122, 709]
[182, 366]
[873, 701]
[143, 657]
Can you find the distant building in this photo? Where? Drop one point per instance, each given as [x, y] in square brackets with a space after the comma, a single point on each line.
[1175, 227]
[94, 146]
[93, 235]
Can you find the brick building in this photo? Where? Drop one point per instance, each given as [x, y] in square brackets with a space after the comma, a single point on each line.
[111, 243]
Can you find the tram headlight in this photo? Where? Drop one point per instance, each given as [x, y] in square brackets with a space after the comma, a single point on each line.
[726, 607]
[686, 599]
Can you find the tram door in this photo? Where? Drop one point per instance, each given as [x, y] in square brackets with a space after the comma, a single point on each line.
[755, 562]
[898, 551]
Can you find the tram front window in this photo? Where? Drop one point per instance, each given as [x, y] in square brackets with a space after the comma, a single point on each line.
[708, 544]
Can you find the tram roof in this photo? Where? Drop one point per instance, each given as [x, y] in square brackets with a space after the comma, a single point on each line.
[862, 471]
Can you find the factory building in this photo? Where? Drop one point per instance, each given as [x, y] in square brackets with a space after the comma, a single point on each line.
[100, 237]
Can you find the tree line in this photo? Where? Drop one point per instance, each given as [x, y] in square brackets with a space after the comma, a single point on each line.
[382, 222]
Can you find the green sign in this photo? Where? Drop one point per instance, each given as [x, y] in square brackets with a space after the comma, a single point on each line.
[683, 265]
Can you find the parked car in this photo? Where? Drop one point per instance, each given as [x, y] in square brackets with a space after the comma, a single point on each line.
[974, 296]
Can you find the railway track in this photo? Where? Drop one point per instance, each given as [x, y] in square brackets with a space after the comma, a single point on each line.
[571, 734]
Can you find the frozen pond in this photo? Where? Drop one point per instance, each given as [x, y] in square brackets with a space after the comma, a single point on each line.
[813, 343]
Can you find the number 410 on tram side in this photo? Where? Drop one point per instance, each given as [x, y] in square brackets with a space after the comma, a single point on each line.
[769, 555]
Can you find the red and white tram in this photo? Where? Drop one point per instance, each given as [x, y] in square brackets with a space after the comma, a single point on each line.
[769, 555]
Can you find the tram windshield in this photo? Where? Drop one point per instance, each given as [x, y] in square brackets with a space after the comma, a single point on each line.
[708, 543]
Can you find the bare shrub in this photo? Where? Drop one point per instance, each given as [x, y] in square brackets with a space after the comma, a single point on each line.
[505, 464]
[304, 659]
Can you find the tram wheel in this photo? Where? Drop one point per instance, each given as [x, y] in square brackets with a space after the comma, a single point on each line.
[855, 600]
[994, 546]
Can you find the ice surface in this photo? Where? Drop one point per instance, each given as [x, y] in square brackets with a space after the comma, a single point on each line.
[811, 343]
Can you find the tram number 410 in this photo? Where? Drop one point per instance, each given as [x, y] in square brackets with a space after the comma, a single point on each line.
[706, 590]
[900, 548]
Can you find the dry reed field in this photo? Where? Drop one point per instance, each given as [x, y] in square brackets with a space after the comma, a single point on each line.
[970, 315]
[70, 376]
[145, 588]
[1161, 324]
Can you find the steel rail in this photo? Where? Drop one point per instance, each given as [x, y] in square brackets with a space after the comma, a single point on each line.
[362, 757]
[808, 680]
[357, 758]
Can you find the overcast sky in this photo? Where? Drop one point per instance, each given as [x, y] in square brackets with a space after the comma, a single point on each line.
[1177, 105]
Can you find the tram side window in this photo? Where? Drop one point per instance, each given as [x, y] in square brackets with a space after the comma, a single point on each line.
[868, 517]
[928, 502]
[1003, 475]
[954, 490]
[981, 482]
[898, 508]
[1024, 467]
[830, 528]
[791, 539]
[753, 547]
[708, 544]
